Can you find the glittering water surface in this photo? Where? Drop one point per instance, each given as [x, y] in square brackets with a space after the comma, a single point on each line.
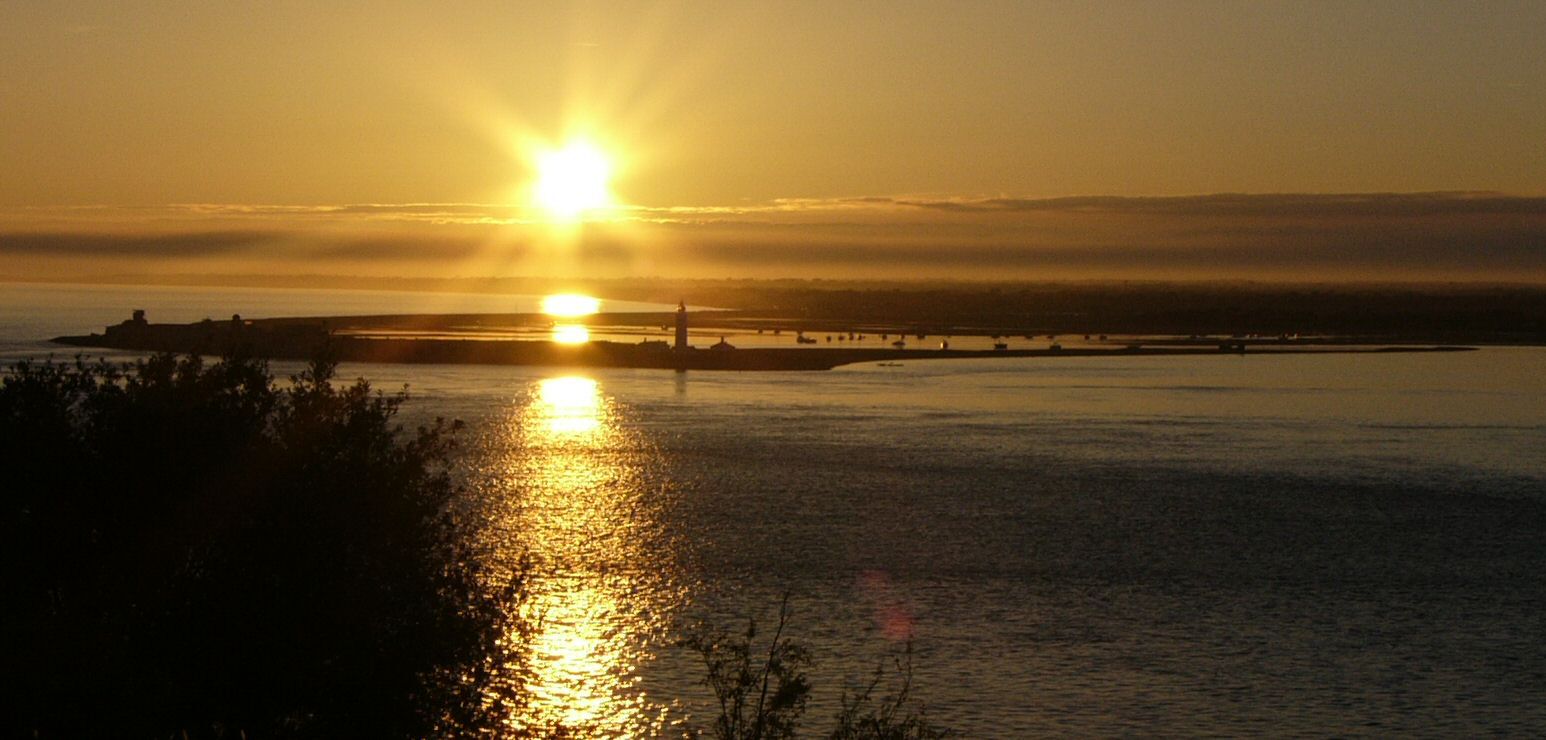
[1316, 544]
[1313, 545]
[562, 480]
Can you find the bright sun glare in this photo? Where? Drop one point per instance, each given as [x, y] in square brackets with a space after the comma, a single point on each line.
[571, 404]
[572, 180]
[570, 304]
[571, 334]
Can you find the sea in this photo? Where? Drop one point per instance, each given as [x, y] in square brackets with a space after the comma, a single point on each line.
[1322, 545]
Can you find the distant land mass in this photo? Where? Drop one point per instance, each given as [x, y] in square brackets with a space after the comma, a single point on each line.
[489, 339]
[1467, 313]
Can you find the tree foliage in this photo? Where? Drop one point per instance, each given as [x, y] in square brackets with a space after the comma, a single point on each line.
[761, 691]
[194, 548]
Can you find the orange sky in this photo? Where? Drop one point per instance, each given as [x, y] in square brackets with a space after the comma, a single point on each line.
[801, 139]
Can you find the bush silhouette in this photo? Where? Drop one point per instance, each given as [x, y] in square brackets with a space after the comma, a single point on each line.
[762, 691]
[196, 549]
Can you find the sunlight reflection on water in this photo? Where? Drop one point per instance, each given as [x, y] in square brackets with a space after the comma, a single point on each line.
[572, 487]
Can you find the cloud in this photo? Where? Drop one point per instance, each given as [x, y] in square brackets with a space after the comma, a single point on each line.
[1457, 236]
[1520, 254]
[1258, 205]
[433, 213]
[157, 246]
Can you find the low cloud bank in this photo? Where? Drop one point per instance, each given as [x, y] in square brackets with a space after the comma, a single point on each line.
[1426, 236]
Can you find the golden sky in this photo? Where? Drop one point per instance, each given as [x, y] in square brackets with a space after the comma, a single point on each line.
[821, 139]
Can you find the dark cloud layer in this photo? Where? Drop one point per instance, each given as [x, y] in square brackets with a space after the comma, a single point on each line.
[1459, 236]
[1267, 205]
[1471, 257]
[161, 246]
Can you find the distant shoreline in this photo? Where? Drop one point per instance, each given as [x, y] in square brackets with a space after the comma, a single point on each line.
[1399, 313]
[370, 339]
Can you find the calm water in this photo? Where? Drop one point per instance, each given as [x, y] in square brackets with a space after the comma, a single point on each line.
[1286, 545]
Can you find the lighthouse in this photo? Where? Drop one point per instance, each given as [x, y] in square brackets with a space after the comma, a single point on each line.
[681, 326]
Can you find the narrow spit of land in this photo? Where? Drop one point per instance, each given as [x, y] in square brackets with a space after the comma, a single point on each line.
[638, 340]
[1372, 312]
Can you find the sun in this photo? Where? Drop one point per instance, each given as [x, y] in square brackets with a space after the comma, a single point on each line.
[572, 180]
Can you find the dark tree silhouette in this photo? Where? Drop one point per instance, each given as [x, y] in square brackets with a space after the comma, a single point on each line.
[196, 549]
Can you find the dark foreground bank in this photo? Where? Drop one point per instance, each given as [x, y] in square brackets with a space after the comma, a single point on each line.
[192, 549]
